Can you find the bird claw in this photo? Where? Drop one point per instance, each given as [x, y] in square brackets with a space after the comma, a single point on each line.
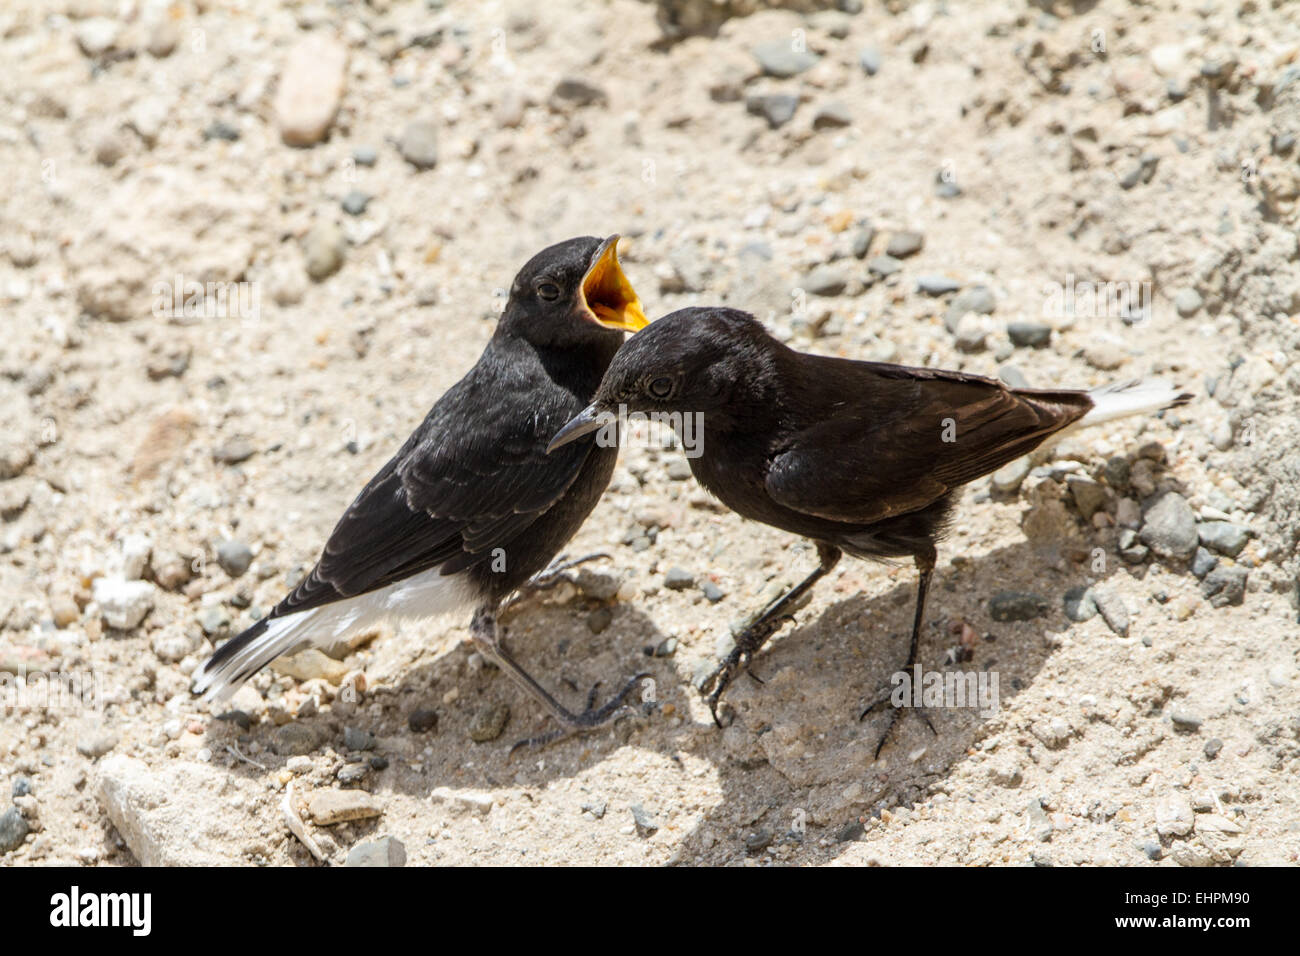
[593, 718]
[722, 676]
[739, 660]
[895, 714]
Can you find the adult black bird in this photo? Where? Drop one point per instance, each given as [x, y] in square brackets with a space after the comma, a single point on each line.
[472, 507]
[860, 457]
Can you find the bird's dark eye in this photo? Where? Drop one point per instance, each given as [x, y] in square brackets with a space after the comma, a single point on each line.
[549, 291]
[661, 387]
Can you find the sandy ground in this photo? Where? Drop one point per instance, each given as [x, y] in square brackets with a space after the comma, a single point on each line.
[165, 474]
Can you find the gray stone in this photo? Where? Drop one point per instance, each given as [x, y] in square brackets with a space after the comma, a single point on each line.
[234, 557]
[1203, 563]
[883, 266]
[758, 840]
[862, 241]
[365, 156]
[574, 91]
[234, 451]
[1080, 604]
[1183, 720]
[1016, 606]
[977, 298]
[386, 851]
[419, 144]
[832, 115]
[599, 620]
[870, 59]
[1169, 527]
[1225, 585]
[214, 619]
[777, 108]
[13, 830]
[354, 738]
[1029, 334]
[825, 280]
[1223, 537]
[645, 823]
[678, 579]
[355, 202]
[1010, 476]
[779, 58]
[1212, 747]
[904, 244]
[1113, 610]
[937, 285]
[1089, 496]
[712, 593]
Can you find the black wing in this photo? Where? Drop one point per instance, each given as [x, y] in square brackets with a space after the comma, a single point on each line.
[908, 436]
[468, 480]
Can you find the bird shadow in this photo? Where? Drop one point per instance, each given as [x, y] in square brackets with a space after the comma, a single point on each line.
[795, 765]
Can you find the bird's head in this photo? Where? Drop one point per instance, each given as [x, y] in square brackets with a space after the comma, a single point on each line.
[707, 361]
[572, 292]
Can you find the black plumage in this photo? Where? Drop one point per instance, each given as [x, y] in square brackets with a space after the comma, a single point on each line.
[860, 457]
[471, 506]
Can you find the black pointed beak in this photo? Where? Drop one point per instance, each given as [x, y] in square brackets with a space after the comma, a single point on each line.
[583, 423]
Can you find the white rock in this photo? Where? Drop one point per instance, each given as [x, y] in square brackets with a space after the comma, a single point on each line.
[136, 549]
[123, 604]
[1174, 816]
[147, 117]
[97, 35]
[472, 800]
[1168, 59]
[310, 89]
[176, 814]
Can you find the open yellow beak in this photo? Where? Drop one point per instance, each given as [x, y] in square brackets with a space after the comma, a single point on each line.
[607, 296]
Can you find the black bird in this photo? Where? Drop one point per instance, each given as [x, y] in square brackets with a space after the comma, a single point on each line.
[860, 457]
[472, 507]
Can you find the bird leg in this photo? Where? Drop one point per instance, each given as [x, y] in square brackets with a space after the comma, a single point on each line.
[486, 635]
[925, 569]
[753, 637]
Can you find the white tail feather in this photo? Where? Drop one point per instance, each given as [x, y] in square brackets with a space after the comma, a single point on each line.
[1137, 397]
[423, 596]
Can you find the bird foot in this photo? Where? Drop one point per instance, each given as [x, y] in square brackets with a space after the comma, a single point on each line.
[896, 712]
[590, 719]
[739, 660]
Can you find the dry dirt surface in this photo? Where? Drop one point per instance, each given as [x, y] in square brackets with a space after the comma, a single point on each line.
[245, 246]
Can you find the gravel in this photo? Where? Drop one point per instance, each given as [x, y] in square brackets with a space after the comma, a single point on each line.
[1016, 606]
[1169, 527]
[418, 144]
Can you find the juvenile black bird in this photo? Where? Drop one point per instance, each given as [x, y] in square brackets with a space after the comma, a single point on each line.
[860, 457]
[472, 507]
